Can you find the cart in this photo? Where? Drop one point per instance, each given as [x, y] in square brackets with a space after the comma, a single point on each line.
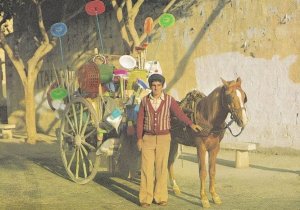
[84, 126]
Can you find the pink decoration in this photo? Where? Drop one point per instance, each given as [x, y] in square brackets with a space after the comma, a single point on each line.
[120, 72]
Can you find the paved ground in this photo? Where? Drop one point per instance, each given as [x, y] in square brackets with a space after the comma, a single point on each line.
[33, 177]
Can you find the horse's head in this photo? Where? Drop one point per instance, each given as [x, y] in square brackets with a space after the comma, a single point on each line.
[235, 99]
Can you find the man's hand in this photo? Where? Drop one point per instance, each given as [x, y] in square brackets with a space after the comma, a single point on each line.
[196, 127]
[139, 144]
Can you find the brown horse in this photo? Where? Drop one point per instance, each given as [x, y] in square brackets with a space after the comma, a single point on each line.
[210, 113]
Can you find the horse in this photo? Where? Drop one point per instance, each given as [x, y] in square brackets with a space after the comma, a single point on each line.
[210, 112]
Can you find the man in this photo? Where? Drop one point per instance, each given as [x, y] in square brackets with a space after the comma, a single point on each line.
[153, 134]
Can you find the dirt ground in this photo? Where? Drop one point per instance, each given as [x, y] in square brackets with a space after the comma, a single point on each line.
[33, 177]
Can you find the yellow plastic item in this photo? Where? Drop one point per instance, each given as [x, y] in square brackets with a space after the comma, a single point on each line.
[134, 75]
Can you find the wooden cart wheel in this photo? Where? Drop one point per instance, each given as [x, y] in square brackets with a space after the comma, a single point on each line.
[78, 140]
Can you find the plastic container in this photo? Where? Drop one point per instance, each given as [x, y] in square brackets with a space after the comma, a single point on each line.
[106, 72]
[134, 75]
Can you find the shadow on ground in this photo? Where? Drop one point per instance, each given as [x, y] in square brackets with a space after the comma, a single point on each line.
[229, 163]
[46, 155]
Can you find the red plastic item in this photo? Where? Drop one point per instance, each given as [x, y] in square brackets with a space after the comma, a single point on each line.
[95, 7]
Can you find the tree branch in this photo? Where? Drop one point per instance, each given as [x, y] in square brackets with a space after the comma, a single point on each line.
[17, 62]
[73, 15]
[128, 5]
[132, 12]
[136, 7]
[45, 46]
[40, 53]
[40, 21]
[169, 5]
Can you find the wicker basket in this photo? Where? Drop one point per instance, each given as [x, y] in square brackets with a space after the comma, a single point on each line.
[88, 79]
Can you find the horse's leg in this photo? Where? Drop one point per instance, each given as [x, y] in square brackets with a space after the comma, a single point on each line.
[172, 157]
[201, 151]
[212, 174]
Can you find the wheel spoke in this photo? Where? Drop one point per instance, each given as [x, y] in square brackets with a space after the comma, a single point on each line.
[71, 160]
[85, 124]
[75, 118]
[90, 162]
[80, 118]
[90, 133]
[88, 145]
[67, 134]
[77, 163]
[70, 123]
[83, 162]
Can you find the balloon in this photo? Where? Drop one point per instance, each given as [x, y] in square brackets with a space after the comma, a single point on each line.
[95, 7]
[58, 93]
[58, 29]
[166, 20]
[148, 25]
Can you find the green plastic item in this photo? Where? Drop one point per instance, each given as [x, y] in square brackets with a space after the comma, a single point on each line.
[106, 72]
[166, 20]
[58, 93]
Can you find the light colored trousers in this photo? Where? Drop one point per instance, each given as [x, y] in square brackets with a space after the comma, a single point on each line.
[154, 173]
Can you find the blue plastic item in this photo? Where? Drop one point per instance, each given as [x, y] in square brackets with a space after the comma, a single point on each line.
[58, 29]
[116, 113]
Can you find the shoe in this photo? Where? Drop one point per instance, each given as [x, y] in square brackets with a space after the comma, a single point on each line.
[162, 203]
[145, 205]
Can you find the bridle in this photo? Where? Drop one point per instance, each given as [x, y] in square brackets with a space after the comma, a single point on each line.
[233, 115]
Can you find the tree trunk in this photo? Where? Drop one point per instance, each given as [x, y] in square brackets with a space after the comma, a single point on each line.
[30, 112]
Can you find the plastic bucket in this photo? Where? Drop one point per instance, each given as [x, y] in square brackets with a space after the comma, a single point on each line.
[134, 75]
[106, 72]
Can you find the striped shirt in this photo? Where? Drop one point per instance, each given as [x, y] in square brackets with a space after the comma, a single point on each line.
[157, 122]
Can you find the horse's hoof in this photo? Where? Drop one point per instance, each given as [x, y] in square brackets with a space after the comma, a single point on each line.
[176, 190]
[205, 203]
[217, 199]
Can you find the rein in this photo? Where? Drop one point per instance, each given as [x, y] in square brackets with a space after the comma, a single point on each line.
[228, 126]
